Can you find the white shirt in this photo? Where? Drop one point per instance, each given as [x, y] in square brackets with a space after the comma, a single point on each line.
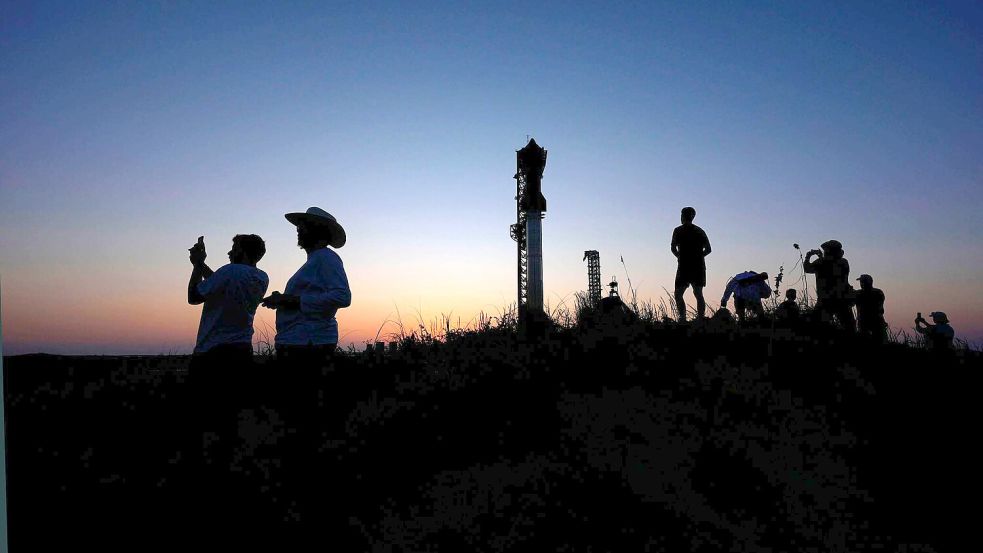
[322, 286]
[231, 296]
[749, 292]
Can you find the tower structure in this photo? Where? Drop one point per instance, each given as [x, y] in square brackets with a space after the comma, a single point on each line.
[527, 231]
[593, 277]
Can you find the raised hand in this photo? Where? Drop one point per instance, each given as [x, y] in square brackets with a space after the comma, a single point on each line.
[197, 252]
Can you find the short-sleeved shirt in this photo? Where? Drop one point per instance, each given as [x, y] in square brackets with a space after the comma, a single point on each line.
[690, 241]
[231, 295]
[870, 304]
[832, 278]
[322, 285]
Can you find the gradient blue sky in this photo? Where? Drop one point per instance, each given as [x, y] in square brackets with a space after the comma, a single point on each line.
[129, 129]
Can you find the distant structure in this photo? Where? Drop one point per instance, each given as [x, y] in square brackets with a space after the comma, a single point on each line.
[593, 277]
[527, 231]
[613, 292]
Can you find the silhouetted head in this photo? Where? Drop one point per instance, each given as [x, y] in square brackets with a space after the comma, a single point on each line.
[832, 249]
[247, 249]
[687, 215]
[939, 318]
[791, 294]
[311, 236]
[316, 228]
[866, 282]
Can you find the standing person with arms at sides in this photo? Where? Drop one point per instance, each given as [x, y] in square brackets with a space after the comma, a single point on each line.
[307, 335]
[690, 246]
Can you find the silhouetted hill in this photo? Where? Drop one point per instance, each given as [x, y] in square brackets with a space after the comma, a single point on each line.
[619, 437]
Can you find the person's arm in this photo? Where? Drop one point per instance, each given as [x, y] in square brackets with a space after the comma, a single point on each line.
[674, 245]
[764, 289]
[198, 273]
[808, 265]
[923, 330]
[336, 293]
[706, 245]
[731, 286]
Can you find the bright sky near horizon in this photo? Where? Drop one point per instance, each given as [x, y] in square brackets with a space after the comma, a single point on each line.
[129, 129]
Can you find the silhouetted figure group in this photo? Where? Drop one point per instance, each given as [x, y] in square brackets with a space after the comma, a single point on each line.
[306, 338]
[836, 298]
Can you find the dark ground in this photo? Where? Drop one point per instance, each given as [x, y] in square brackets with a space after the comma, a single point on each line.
[639, 438]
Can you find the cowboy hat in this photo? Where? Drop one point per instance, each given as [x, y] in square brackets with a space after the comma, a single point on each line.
[318, 216]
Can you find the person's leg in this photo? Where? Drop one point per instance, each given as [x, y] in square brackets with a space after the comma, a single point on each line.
[880, 333]
[759, 310]
[680, 303]
[741, 309]
[701, 304]
[845, 315]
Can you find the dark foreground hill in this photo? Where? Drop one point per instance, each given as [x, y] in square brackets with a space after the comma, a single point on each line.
[638, 438]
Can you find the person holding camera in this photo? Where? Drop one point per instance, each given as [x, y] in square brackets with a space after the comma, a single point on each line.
[938, 336]
[833, 290]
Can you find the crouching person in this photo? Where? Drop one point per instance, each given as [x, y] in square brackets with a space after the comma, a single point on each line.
[748, 288]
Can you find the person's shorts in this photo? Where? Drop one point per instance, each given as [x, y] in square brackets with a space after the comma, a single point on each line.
[691, 275]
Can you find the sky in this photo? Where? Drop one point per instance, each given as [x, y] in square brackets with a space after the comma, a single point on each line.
[127, 130]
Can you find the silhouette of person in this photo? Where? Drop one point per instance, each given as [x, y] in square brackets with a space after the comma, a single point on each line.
[690, 246]
[939, 335]
[306, 329]
[748, 288]
[230, 296]
[307, 335]
[223, 350]
[788, 310]
[833, 291]
[870, 310]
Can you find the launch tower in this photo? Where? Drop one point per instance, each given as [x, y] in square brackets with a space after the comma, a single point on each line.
[593, 277]
[527, 231]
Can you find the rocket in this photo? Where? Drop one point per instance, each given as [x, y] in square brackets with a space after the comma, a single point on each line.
[532, 159]
[532, 162]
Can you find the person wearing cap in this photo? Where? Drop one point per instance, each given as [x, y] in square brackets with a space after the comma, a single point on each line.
[833, 290]
[870, 310]
[748, 288]
[938, 335]
[690, 245]
[306, 329]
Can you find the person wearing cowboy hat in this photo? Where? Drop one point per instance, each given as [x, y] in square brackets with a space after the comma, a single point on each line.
[306, 338]
[306, 329]
[833, 290]
[939, 335]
